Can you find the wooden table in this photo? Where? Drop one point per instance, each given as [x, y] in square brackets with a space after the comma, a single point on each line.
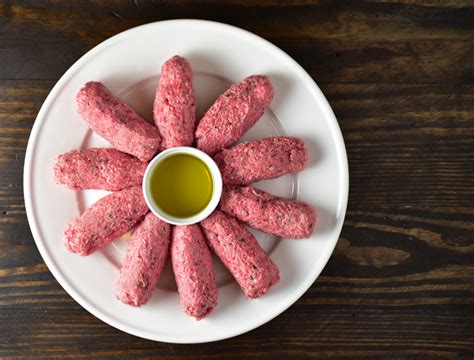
[400, 78]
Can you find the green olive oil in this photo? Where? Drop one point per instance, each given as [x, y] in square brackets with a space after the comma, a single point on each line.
[181, 185]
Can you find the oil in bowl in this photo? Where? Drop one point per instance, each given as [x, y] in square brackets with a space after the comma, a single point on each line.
[181, 185]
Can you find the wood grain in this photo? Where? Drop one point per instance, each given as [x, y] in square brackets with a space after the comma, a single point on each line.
[400, 78]
[334, 41]
[361, 334]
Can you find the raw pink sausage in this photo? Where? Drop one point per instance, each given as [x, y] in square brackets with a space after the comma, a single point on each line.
[146, 255]
[106, 220]
[100, 169]
[117, 122]
[264, 159]
[174, 108]
[240, 252]
[233, 113]
[266, 212]
[194, 271]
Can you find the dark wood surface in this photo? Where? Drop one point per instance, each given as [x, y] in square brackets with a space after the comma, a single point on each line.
[400, 78]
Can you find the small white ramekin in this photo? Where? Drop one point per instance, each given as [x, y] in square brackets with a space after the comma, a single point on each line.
[216, 182]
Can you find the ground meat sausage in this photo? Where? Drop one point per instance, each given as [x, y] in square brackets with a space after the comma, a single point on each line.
[107, 219]
[117, 122]
[174, 108]
[269, 213]
[194, 271]
[264, 159]
[146, 255]
[240, 252]
[233, 113]
[99, 168]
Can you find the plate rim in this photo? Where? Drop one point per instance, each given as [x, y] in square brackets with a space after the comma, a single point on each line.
[39, 121]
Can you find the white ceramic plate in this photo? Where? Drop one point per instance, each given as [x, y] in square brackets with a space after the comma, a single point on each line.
[129, 65]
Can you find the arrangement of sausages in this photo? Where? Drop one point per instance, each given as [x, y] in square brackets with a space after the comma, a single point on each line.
[121, 170]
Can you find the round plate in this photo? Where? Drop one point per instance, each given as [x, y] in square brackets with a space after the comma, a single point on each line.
[129, 65]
